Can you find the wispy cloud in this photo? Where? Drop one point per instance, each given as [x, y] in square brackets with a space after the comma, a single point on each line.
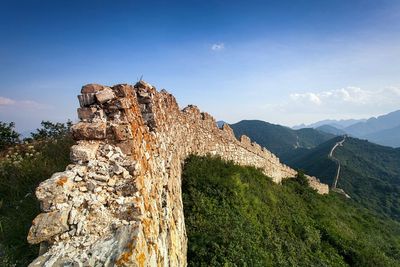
[4, 101]
[343, 103]
[349, 96]
[26, 104]
[218, 47]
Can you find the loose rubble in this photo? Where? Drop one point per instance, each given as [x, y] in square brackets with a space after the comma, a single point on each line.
[120, 203]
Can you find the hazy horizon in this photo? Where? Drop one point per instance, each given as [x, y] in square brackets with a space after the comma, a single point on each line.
[286, 62]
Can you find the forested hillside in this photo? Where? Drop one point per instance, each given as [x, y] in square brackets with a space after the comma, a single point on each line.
[235, 216]
[280, 140]
[370, 173]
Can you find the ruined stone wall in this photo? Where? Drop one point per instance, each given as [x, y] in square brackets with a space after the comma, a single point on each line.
[120, 201]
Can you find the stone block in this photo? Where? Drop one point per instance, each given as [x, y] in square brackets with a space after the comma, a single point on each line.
[86, 113]
[122, 132]
[86, 100]
[105, 95]
[122, 90]
[55, 190]
[84, 151]
[47, 225]
[92, 88]
[89, 131]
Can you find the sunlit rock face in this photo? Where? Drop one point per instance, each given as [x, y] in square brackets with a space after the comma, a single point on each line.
[119, 203]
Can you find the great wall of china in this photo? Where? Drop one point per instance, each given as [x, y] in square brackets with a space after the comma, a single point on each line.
[119, 203]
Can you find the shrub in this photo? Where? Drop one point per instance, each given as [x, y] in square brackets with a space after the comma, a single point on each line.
[8, 136]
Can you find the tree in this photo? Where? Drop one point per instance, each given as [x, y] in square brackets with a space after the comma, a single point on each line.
[8, 136]
[301, 178]
[52, 130]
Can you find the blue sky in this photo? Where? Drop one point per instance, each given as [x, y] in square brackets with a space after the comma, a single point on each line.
[286, 62]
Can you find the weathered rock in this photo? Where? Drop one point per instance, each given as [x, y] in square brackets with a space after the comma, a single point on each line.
[123, 103]
[105, 95]
[89, 131]
[92, 88]
[123, 90]
[47, 225]
[84, 151]
[125, 192]
[55, 190]
[122, 132]
[86, 100]
[86, 113]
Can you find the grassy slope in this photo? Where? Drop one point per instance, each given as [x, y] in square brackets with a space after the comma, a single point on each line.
[19, 177]
[235, 216]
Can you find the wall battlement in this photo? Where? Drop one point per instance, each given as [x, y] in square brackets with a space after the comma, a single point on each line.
[119, 202]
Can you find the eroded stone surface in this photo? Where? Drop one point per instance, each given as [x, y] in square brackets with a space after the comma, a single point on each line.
[123, 192]
[47, 225]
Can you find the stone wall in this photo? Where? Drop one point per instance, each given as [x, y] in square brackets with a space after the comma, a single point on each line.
[120, 201]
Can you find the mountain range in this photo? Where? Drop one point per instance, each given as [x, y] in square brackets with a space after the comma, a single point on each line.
[281, 140]
[370, 173]
[340, 124]
[383, 130]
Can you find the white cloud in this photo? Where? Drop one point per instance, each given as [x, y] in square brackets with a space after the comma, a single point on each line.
[4, 101]
[29, 104]
[354, 96]
[344, 103]
[218, 47]
[309, 97]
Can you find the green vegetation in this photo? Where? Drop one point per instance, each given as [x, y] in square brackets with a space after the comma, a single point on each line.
[316, 162]
[370, 173]
[235, 216]
[8, 135]
[326, 128]
[280, 140]
[50, 130]
[22, 167]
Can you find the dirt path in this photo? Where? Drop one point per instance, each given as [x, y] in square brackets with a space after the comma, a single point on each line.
[340, 143]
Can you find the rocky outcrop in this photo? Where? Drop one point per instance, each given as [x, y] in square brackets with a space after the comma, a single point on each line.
[120, 201]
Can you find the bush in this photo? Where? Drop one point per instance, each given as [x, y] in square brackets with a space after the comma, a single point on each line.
[52, 130]
[8, 136]
[21, 170]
